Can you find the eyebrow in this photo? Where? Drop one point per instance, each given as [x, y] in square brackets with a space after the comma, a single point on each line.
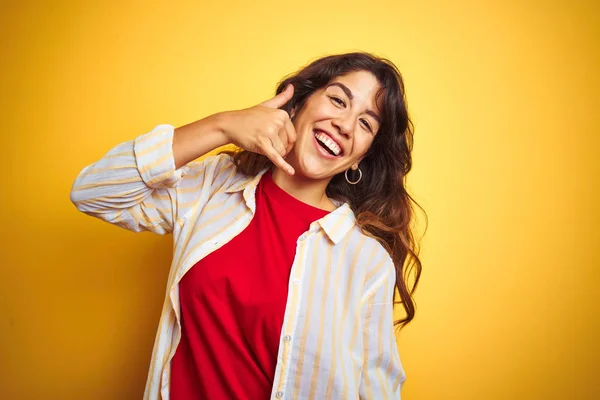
[351, 97]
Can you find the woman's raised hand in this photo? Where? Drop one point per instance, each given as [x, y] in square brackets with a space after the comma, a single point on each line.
[264, 129]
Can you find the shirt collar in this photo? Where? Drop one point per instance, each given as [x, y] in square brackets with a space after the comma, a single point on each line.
[336, 224]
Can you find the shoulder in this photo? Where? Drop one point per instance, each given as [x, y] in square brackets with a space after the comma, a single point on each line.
[377, 266]
[219, 171]
[218, 162]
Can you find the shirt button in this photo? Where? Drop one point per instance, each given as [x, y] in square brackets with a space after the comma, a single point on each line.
[279, 395]
[216, 242]
[302, 237]
[296, 281]
[287, 338]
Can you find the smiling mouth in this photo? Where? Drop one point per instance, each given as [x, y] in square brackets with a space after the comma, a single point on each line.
[328, 144]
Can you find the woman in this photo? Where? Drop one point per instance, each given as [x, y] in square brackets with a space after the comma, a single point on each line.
[286, 253]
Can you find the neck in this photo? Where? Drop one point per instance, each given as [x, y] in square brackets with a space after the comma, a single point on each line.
[309, 191]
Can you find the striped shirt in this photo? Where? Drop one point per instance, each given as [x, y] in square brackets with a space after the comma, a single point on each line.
[337, 340]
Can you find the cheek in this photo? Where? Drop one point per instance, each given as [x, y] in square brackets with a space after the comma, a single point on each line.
[363, 144]
[319, 110]
[303, 124]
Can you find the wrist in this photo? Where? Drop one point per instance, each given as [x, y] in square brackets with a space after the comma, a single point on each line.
[221, 127]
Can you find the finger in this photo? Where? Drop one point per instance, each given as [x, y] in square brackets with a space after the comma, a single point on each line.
[269, 151]
[278, 146]
[283, 138]
[282, 98]
[291, 135]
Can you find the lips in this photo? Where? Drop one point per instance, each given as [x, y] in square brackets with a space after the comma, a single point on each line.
[328, 143]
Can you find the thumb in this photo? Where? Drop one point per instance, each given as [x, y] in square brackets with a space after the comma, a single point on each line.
[282, 98]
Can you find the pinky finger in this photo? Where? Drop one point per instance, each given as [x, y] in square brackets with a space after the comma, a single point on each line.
[273, 155]
[280, 162]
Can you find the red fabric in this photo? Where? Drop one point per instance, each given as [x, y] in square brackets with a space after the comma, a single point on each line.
[233, 302]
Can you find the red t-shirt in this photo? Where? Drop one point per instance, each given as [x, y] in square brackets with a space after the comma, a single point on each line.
[233, 302]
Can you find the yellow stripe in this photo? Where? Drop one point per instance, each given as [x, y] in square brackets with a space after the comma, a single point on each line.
[309, 309]
[352, 273]
[118, 218]
[143, 142]
[390, 367]
[393, 357]
[126, 153]
[396, 358]
[194, 173]
[367, 347]
[122, 195]
[159, 178]
[218, 217]
[194, 201]
[107, 183]
[380, 332]
[153, 365]
[161, 160]
[355, 331]
[211, 207]
[324, 304]
[183, 206]
[162, 196]
[336, 228]
[203, 182]
[396, 382]
[291, 307]
[331, 378]
[189, 177]
[99, 170]
[376, 285]
[231, 175]
[166, 353]
[378, 267]
[160, 208]
[146, 220]
[165, 196]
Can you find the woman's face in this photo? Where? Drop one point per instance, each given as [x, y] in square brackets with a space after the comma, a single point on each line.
[336, 126]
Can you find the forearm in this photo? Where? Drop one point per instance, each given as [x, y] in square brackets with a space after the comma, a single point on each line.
[196, 139]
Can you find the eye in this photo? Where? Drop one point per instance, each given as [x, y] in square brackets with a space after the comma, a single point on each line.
[366, 124]
[338, 101]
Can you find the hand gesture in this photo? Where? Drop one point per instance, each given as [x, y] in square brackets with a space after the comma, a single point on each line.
[264, 129]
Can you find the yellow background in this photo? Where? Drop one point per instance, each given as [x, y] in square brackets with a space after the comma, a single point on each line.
[504, 96]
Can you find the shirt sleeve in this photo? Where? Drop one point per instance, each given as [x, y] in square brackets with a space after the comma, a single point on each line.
[383, 375]
[136, 186]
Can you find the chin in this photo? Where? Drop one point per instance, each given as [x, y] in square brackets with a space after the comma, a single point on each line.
[315, 166]
[316, 172]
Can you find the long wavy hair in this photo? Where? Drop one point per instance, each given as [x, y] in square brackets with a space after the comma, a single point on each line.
[382, 206]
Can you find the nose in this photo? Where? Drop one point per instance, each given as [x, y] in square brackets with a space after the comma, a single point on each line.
[345, 125]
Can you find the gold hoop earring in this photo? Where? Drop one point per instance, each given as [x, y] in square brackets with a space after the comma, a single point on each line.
[355, 182]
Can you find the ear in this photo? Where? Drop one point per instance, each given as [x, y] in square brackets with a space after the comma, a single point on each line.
[293, 113]
[355, 165]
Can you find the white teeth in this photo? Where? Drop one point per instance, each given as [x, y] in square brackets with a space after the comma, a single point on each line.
[326, 140]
